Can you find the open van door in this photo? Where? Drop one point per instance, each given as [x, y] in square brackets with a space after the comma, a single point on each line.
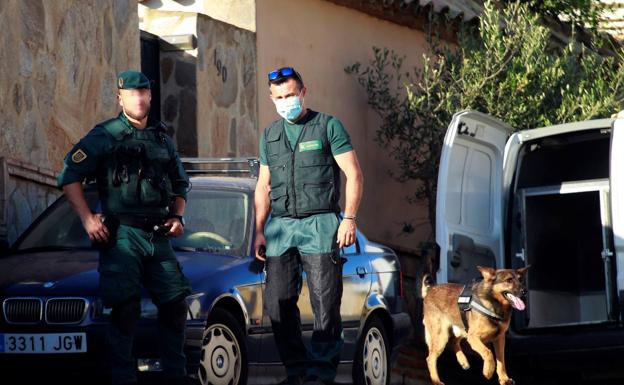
[469, 213]
[617, 203]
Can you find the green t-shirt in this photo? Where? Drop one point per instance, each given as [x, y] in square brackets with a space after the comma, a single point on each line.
[336, 134]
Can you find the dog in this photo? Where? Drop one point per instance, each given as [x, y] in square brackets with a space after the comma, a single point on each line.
[487, 318]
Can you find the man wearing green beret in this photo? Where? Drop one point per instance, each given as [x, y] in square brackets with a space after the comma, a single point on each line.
[142, 189]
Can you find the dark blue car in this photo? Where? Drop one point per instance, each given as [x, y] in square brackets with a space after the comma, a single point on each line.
[52, 320]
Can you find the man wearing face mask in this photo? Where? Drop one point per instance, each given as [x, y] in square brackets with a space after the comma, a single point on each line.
[301, 157]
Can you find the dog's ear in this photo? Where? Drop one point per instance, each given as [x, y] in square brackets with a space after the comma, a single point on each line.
[488, 273]
[523, 271]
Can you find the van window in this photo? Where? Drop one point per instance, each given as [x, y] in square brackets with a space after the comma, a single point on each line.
[472, 170]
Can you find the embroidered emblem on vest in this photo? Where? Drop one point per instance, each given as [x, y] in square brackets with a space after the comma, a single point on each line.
[310, 146]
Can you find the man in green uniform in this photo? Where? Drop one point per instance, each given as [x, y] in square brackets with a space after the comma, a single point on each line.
[301, 157]
[142, 188]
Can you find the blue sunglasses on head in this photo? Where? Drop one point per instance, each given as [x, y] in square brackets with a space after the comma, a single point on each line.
[284, 72]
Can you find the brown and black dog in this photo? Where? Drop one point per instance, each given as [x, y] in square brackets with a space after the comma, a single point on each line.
[488, 319]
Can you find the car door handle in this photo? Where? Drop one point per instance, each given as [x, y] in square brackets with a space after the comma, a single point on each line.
[361, 271]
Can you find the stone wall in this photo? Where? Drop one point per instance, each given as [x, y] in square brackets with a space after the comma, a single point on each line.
[226, 90]
[25, 191]
[57, 79]
[209, 92]
[178, 77]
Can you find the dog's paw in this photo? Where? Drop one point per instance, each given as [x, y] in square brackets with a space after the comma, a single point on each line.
[506, 381]
[488, 369]
[463, 362]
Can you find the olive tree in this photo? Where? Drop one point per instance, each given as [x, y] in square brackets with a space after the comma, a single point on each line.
[506, 65]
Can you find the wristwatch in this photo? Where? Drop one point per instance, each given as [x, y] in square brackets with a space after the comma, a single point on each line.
[180, 217]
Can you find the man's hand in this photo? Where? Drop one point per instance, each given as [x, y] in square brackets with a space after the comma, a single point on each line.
[95, 228]
[260, 246]
[91, 222]
[346, 233]
[176, 227]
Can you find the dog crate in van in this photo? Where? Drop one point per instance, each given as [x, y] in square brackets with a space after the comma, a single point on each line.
[551, 198]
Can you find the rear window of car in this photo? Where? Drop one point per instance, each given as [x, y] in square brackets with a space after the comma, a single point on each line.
[216, 221]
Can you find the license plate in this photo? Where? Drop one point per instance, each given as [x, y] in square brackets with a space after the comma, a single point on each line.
[43, 343]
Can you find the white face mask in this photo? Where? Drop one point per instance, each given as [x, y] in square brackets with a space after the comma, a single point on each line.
[289, 108]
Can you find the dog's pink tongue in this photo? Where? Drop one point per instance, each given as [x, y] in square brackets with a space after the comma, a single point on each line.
[516, 302]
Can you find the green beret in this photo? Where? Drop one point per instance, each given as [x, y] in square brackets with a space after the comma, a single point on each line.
[129, 80]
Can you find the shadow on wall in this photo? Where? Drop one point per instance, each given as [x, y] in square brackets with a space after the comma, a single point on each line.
[179, 99]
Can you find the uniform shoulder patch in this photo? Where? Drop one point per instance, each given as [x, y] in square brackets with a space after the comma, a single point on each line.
[78, 156]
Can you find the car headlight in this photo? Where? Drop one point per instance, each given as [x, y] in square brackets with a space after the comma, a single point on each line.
[149, 310]
[194, 305]
[98, 310]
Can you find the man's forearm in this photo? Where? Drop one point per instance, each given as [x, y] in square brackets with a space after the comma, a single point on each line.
[75, 195]
[179, 205]
[353, 194]
[262, 206]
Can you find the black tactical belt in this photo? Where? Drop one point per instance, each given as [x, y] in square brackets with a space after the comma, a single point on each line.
[141, 222]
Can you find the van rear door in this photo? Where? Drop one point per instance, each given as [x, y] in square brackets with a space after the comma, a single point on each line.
[469, 213]
[617, 203]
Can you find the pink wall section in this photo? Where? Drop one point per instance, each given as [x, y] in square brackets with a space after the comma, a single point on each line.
[320, 39]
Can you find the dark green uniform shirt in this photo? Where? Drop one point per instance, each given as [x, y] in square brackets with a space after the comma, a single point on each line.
[91, 156]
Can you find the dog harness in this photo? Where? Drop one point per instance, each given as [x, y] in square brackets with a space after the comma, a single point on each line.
[466, 302]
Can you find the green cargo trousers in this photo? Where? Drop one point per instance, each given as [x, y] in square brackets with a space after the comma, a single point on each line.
[305, 245]
[135, 258]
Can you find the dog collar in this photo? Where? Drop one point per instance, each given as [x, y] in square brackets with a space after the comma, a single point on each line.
[485, 311]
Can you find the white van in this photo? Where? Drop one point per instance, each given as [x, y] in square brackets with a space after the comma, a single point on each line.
[550, 197]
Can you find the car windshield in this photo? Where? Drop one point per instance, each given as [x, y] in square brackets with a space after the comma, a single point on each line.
[216, 221]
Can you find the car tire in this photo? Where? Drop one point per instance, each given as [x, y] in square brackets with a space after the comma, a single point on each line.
[223, 359]
[372, 356]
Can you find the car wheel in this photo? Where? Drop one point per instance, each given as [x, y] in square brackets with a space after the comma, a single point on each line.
[224, 353]
[372, 360]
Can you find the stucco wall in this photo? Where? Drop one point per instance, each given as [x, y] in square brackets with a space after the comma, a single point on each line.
[320, 39]
[57, 80]
[240, 13]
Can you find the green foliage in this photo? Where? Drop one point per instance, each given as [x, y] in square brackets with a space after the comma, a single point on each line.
[581, 12]
[506, 67]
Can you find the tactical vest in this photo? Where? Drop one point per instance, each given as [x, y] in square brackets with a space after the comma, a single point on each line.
[136, 180]
[304, 180]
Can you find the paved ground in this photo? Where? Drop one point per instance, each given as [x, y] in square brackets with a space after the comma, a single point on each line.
[410, 369]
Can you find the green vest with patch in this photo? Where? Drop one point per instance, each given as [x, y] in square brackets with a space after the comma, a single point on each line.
[304, 180]
[136, 181]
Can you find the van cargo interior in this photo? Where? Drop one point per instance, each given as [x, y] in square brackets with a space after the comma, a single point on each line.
[562, 186]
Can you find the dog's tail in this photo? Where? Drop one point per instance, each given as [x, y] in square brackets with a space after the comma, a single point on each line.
[426, 284]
